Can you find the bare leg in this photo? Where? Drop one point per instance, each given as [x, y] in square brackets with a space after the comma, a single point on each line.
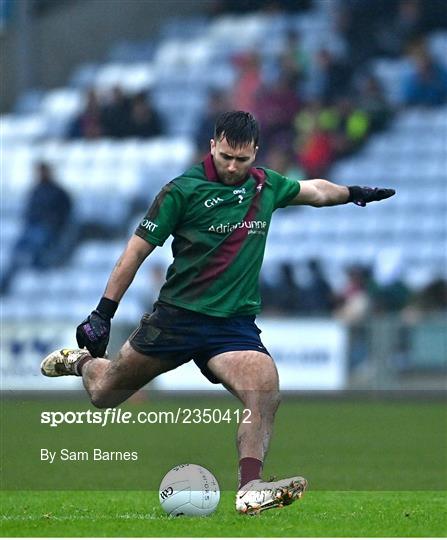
[110, 382]
[252, 377]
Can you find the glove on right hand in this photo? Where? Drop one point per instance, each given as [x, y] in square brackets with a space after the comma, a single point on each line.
[93, 333]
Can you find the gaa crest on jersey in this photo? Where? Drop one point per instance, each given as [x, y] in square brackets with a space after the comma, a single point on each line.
[240, 194]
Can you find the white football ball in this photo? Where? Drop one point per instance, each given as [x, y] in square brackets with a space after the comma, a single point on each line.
[189, 490]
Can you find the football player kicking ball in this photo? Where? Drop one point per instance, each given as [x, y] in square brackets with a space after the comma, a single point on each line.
[219, 213]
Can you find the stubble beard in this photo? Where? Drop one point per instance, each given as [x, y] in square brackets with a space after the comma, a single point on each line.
[231, 179]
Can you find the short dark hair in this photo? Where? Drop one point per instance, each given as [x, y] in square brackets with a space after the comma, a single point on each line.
[238, 127]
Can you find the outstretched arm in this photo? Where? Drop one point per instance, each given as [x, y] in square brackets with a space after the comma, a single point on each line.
[93, 333]
[324, 193]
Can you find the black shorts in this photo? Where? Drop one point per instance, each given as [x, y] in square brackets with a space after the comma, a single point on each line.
[180, 335]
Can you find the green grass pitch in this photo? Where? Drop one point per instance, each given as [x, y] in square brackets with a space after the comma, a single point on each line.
[319, 513]
[376, 468]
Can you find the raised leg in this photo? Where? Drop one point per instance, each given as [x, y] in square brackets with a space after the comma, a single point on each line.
[108, 382]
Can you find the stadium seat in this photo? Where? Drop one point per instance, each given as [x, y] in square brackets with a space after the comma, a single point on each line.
[24, 128]
[62, 103]
[97, 254]
[437, 43]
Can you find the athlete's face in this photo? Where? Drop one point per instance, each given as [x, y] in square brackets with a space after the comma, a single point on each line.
[232, 164]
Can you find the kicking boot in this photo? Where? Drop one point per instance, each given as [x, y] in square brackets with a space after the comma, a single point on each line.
[257, 495]
[62, 362]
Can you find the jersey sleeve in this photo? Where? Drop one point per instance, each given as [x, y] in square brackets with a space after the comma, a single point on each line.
[285, 188]
[163, 216]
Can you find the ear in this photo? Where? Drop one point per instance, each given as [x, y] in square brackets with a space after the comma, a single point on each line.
[256, 151]
[212, 146]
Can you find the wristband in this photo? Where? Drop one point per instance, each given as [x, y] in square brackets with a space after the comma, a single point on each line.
[355, 193]
[107, 307]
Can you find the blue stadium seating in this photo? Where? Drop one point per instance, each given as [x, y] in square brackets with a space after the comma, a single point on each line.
[180, 69]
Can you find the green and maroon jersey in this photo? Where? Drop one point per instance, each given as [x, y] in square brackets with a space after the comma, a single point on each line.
[219, 234]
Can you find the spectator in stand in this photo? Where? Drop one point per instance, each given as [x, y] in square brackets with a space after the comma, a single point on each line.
[218, 102]
[248, 84]
[426, 84]
[329, 78]
[389, 293]
[358, 21]
[280, 158]
[307, 119]
[352, 126]
[377, 27]
[354, 310]
[47, 222]
[316, 152]
[280, 292]
[408, 23]
[325, 133]
[391, 298]
[430, 301]
[116, 114]
[316, 294]
[89, 124]
[395, 33]
[434, 15]
[287, 293]
[355, 301]
[275, 107]
[295, 60]
[268, 281]
[144, 119]
[373, 102]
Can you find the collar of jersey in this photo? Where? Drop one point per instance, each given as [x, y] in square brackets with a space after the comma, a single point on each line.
[211, 172]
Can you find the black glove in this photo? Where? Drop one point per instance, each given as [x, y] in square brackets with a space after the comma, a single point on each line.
[363, 195]
[94, 332]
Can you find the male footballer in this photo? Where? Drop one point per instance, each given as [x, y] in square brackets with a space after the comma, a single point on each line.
[218, 213]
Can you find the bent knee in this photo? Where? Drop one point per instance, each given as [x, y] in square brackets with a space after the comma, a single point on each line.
[102, 400]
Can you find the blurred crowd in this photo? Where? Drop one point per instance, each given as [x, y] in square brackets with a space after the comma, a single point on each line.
[317, 107]
[116, 116]
[368, 294]
[303, 289]
[312, 112]
[313, 106]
